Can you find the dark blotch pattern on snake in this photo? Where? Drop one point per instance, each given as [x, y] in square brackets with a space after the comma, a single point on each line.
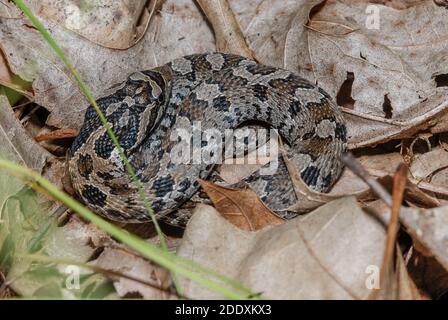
[222, 91]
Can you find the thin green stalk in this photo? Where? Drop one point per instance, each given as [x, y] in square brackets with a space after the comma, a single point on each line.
[128, 166]
[154, 253]
[86, 91]
[88, 94]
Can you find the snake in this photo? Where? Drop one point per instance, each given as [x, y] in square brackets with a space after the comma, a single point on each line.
[221, 92]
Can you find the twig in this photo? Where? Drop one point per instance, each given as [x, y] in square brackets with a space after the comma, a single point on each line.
[57, 134]
[349, 160]
[388, 287]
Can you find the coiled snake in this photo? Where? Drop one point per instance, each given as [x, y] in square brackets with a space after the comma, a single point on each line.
[221, 91]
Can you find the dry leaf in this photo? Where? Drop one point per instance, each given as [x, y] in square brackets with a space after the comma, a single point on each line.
[393, 68]
[229, 37]
[113, 24]
[391, 82]
[177, 30]
[327, 254]
[16, 139]
[5, 73]
[269, 26]
[428, 228]
[241, 207]
[9, 10]
[425, 164]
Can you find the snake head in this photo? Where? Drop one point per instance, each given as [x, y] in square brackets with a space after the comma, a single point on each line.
[146, 94]
[132, 109]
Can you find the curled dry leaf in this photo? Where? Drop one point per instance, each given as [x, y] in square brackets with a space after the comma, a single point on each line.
[234, 169]
[177, 30]
[270, 26]
[228, 34]
[391, 69]
[381, 167]
[17, 143]
[398, 4]
[241, 207]
[327, 254]
[112, 24]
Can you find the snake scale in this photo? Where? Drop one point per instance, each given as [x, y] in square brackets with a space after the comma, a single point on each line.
[221, 91]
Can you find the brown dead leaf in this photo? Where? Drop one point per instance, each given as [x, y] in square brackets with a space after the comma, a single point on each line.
[331, 253]
[398, 4]
[233, 170]
[9, 10]
[381, 167]
[229, 37]
[112, 24]
[443, 3]
[268, 27]
[241, 207]
[178, 29]
[391, 74]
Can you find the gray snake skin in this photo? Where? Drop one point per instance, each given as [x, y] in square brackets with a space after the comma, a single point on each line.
[221, 91]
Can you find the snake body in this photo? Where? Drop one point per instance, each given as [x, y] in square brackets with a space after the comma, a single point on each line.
[220, 91]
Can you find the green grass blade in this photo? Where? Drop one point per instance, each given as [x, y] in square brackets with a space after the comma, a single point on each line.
[177, 265]
[137, 243]
[87, 93]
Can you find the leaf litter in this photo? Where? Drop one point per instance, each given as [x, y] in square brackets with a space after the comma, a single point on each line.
[390, 82]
